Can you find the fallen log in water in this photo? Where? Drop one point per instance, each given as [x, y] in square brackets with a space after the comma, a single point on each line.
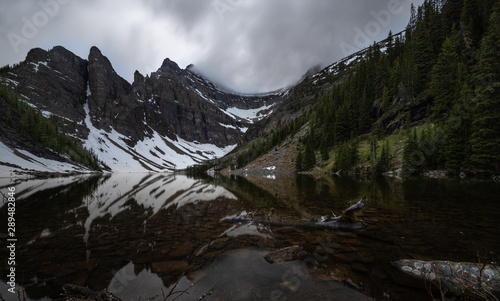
[346, 221]
[473, 280]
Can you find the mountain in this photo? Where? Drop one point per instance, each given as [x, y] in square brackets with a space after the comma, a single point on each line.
[424, 100]
[164, 121]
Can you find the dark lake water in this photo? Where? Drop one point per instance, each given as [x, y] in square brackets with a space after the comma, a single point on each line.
[141, 235]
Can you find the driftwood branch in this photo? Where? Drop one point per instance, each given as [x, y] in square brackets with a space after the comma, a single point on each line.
[346, 221]
[356, 207]
[350, 213]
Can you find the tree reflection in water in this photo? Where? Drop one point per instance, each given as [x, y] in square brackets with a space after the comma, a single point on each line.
[136, 234]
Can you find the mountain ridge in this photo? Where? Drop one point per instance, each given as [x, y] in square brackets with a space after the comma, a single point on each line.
[178, 117]
[429, 93]
[422, 100]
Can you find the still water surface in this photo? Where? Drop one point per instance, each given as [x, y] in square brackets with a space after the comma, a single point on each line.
[139, 235]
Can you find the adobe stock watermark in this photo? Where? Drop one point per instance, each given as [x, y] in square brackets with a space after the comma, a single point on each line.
[222, 7]
[31, 26]
[364, 36]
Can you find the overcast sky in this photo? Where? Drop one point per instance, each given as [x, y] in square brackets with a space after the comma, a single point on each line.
[244, 45]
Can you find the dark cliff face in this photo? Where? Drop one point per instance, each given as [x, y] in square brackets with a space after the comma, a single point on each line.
[111, 102]
[173, 102]
[55, 81]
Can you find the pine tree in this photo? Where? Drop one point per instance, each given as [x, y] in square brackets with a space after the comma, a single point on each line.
[384, 162]
[395, 78]
[342, 125]
[390, 46]
[323, 148]
[430, 145]
[309, 159]
[413, 158]
[413, 19]
[471, 18]
[456, 147]
[365, 120]
[451, 11]
[298, 161]
[427, 148]
[424, 56]
[386, 101]
[346, 155]
[382, 77]
[486, 125]
[373, 151]
[408, 69]
[444, 80]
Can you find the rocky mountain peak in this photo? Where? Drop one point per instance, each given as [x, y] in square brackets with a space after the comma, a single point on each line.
[171, 66]
[55, 81]
[36, 55]
[97, 59]
[110, 103]
[94, 51]
[138, 77]
[168, 119]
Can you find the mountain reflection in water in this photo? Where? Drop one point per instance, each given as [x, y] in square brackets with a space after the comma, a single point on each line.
[138, 234]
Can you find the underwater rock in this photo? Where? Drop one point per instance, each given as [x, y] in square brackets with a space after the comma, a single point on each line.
[473, 280]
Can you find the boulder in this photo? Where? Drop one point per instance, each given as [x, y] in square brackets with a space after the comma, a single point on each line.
[473, 280]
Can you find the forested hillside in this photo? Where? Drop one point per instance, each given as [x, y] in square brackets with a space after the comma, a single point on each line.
[437, 83]
[24, 126]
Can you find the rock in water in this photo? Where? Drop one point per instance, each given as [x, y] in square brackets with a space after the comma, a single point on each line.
[473, 280]
[285, 254]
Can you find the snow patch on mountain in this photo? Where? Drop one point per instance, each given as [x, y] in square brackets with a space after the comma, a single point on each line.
[251, 115]
[37, 65]
[15, 161]
[155, 153]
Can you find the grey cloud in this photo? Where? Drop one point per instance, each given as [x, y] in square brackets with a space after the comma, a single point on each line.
[269, 44]
[188, 13]
[245, 45]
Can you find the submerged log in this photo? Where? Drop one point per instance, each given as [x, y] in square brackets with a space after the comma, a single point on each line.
[346, 221]
[350, 213]
[473, 280]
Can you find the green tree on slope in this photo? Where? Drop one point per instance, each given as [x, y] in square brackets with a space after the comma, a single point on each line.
[486, 125]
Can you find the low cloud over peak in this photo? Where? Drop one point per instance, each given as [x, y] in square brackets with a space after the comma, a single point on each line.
[246, 45]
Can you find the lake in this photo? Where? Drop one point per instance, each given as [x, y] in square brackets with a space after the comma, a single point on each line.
[144, 235]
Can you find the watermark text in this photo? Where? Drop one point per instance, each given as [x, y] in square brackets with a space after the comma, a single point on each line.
[222, 7]
[32, 25]
[11, 240]
[364, 36]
